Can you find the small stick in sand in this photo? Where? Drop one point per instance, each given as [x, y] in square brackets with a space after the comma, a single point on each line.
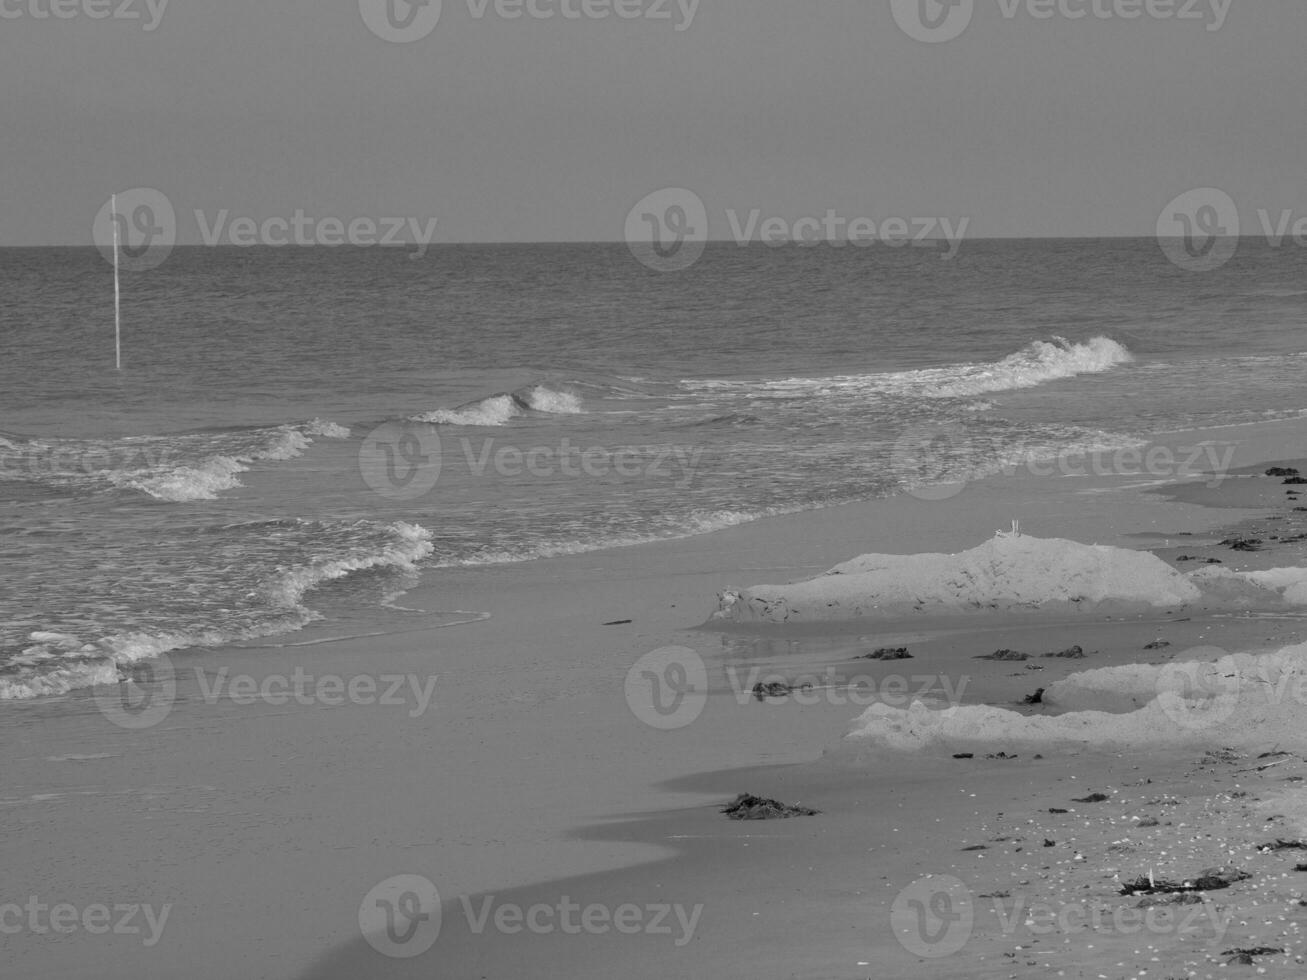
[1265, 767]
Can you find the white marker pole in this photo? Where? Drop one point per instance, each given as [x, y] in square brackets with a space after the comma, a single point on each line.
[117, 292]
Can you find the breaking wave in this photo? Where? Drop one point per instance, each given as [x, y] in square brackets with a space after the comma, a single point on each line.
[176, 468]
[500, 409]
[1040, 362]
[53, 662]
[1037, 363]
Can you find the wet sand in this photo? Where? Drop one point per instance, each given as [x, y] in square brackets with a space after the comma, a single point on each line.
[530, 777]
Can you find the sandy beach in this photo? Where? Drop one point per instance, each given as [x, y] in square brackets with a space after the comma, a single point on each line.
[649, 489]
[523, 776]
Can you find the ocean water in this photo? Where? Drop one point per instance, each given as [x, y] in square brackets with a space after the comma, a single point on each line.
[299, 434]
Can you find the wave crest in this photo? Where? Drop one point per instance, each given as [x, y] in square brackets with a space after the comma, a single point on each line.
[500, 409]
[543, 399]
[58, 662]
[205, 479]
[1037, 363]
[493, 411]
[187, 466]
[409, 544]
[1040, 362]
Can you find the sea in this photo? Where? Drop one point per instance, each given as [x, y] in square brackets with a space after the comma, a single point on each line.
[297, 436]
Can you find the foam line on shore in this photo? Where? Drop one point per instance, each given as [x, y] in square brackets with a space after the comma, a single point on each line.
[476, 617]
[1241, 700]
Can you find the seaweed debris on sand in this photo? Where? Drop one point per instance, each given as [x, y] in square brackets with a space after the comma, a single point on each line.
[749, 807]
[1206, 881]
[1070, 653]
[777, 689]
[1004, 655]
[888, 653]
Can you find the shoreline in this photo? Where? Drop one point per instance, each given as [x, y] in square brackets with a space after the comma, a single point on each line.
[714, 864]
[531, 739]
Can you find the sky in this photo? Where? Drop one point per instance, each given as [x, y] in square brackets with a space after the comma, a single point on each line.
[1025, 117]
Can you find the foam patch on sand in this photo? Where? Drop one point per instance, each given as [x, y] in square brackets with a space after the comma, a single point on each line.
[1008, 572]
[1242, 700]
[1290, 584]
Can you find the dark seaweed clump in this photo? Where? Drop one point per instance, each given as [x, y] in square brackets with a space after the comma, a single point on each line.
[749, 807]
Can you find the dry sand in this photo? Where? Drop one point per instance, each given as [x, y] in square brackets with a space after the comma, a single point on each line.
[529, 776]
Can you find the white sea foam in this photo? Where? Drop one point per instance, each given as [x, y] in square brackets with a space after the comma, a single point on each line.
[182, 483]
[57, 663]
[58, 680]
[206, 478]
[493, 411]
[410, 544]
[497, 410]
[977, 455]
[544, 399]
[327, 429]
[1037, 363]
[1289, 584]
[1040, 362]
[1243, 700]
[696, 523]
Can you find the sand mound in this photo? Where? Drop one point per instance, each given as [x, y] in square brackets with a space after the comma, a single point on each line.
[1008, 572]
[1238, 700]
